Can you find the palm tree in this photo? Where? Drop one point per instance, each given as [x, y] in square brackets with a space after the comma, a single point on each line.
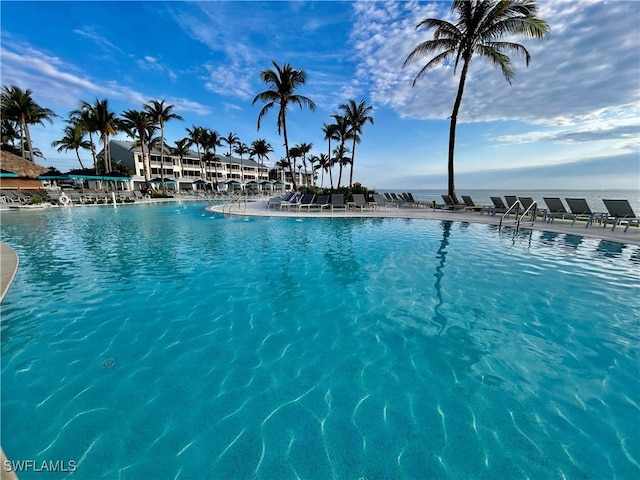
[18, 106]
[73, 140]
[210, 141]
[357, 115]
[196, 135]
[480, 25]
[181, 149]
[231, 139]
[160, 114]
[261, 149]
[241, 149]
[313, 159]
[304, 149]
[330, 133]
[342, 133]
[136, 123]
[105, 122]
[294, 153]
[84, 116]
[283, 83]
[325, 163]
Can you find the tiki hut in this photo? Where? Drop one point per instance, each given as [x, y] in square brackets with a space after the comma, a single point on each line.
[26, 170]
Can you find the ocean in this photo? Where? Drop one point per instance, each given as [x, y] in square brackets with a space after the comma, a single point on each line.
[480, 197]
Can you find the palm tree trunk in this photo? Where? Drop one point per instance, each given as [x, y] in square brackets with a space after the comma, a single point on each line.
[93, 149]
[79, 161]
[451, 190]
[29, 146]
[286, 149]
[353, 156]
[164, 186]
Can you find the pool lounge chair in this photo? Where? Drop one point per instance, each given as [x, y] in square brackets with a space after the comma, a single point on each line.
[449, 204]
[320, 204]
[337, 202]
[306, 201]
[620, 211]
[498, 206]
[380, 201]
[580, 209]
[555, 208]
[470, 205]
[276, 201]
[295, 201]
[529, 205]
[360, 202]
[511, 200]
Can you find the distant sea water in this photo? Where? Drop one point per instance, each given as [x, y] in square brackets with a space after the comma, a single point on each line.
[481, 197]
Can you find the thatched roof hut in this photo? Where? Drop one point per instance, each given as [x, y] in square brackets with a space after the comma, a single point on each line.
[27, 171]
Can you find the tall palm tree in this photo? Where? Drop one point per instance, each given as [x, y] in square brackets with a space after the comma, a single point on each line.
[330, 131]
[313, 160]
[84, 116]
[304, 149]
[261, 149]
[294, 154]
[181, 149]
[196, 136]
[241, 149]
[73, 139]
[342, 133]
[357, 115]
[211, 140]
[161, 114]
[105, 122]
[478, 29]
[19, 106]
[231, 139]
[136, 123]
[283, 83]
[325, 164]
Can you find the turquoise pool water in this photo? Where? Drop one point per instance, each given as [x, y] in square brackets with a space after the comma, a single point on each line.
[163, 341]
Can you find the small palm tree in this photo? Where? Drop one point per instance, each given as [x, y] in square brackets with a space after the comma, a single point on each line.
[160, 114]
[478, 29]
[73, 139]
[85, 117]
[283, 83]
[304, 149]
[18, 105]
[231, 139]
[356, 115]
[325, 164]
[181, 149]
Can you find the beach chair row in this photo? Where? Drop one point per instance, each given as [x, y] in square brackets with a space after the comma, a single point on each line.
[309, 202]
[618, 212]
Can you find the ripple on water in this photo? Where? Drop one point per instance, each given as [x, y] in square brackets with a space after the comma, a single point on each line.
[335, 348]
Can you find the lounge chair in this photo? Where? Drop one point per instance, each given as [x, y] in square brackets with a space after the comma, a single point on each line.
[498, 206]
[276, 201]
[306, 201]
[380, 201]
[320, 204]
[580, 208]
[449, 204]
[528, 204]
[295, 201]
[620, 211]
[337, 202]
[470, 205]
[511, 200]
[360, 202]
[555, 208]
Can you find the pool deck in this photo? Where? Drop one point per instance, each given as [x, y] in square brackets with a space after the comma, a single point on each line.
[259, 208]
[8, 267]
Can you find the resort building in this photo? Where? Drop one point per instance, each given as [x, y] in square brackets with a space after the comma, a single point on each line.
[193, 172]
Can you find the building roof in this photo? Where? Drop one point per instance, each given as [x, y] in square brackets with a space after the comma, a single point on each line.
[24, 168]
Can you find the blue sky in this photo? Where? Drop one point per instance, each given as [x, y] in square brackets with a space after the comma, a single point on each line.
[570, 120]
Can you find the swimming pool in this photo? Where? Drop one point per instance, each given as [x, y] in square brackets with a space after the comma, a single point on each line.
[163, 341]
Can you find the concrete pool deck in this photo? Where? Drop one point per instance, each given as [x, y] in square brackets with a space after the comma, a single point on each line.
[259, 208]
